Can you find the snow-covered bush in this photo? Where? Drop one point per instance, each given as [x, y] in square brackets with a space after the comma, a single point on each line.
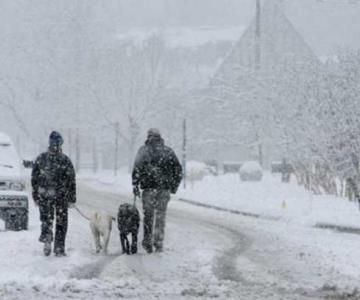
[325, 126]
[196, 171]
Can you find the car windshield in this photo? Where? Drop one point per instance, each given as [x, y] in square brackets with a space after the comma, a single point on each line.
[8, 156]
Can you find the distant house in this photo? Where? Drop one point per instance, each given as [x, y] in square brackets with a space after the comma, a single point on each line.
[250, 85]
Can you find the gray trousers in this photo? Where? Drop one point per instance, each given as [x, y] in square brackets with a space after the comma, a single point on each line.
[154, 207]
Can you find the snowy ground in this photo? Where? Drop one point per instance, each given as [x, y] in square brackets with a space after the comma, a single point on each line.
[208, 254]
[271, 197]
[289, 203]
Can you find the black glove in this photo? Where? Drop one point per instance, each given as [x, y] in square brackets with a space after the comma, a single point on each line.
[136, 191]
[35, 196]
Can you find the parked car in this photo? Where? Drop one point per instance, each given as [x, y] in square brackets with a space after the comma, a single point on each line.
[232, 166]
[251, 171]
[14, 201]
[281, 167]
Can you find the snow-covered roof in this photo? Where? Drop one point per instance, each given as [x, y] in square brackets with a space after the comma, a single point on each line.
[250, 166]
[279, 44]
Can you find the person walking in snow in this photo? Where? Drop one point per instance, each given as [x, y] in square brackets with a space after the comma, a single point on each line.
[54, 190]
[158, 173]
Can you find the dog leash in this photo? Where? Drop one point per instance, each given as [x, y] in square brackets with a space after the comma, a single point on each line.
[87, 218]
[81, 214]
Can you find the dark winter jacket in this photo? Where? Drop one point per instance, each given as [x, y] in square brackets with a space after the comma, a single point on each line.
[54, 172]
[157, 167]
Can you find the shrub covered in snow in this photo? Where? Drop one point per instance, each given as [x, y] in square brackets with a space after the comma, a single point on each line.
[196, 171]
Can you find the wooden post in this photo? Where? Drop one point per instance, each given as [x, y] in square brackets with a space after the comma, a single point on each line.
[184, 153]
[116, 162]
[77, 152]
[261, 159]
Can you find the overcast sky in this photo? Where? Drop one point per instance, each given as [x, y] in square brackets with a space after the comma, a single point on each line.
[327, 25]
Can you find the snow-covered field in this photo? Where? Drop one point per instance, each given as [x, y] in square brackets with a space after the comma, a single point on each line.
[208, 254]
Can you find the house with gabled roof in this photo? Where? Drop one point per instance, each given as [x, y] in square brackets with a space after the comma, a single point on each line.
[250, 86]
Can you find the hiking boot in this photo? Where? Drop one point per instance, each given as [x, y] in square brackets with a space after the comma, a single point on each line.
[158, 246]
[158, 249]
[47, 248]
[44, 238]
[60, 254]
[148, 247]
[133, 249]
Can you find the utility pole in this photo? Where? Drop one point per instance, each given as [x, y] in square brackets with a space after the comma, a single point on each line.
[184, 153]
[77, 151]
[261, 160]
[258, 35]
[70, 143]
[116, 165]
[258, 65]
[95, 156]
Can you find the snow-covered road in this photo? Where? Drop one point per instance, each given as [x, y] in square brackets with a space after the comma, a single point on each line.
[208, 254]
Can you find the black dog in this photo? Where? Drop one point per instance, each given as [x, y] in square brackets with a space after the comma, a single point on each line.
[128, 223]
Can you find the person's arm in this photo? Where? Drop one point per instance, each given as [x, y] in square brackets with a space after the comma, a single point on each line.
[35, 173]
[137, 170]
[176, 173]
[71, 182]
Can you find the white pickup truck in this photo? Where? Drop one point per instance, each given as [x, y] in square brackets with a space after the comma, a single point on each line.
[14, 200]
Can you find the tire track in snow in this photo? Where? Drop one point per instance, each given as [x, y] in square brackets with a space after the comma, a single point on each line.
[224, 264]
[93, 270]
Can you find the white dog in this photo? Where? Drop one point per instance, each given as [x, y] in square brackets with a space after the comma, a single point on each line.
[101, 224]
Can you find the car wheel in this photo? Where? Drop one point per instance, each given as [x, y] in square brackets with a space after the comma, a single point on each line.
[25, 222]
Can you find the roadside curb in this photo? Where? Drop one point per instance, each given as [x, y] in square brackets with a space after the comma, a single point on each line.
[228, 210]
[338, 228]
[324, 226]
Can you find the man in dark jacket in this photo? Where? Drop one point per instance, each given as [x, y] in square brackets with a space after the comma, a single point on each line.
[54, 190]
[158, 173]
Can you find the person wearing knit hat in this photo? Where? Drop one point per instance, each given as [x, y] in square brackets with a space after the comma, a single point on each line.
[54, 190]
[153, 132]
[158, 173]
[55, 139]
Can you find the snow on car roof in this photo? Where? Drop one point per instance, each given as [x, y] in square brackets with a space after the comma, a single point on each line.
[10, 163]
[4, 138]
[250, 165]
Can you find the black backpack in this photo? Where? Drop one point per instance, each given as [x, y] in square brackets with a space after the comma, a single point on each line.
[154, 170]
